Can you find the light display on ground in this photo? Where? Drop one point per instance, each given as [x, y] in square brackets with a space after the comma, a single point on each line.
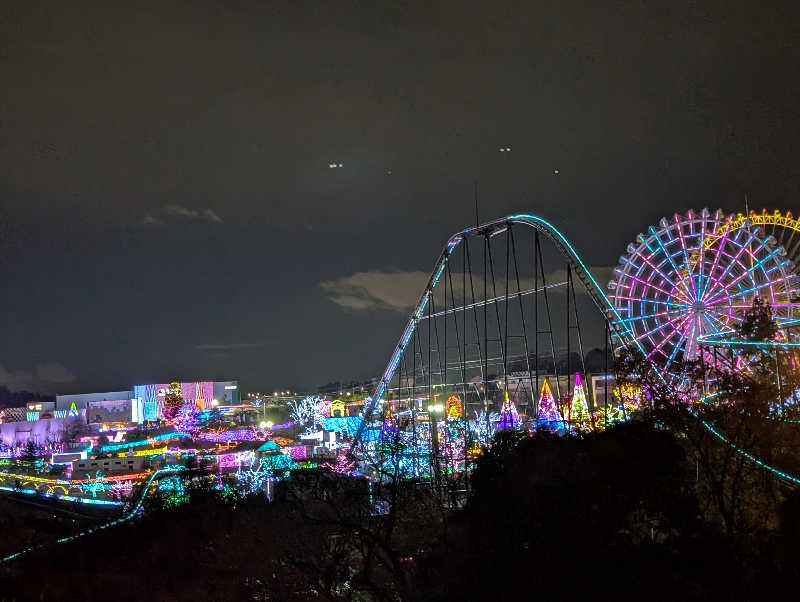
[579, 408]
[95, 484]
[454, 407]
[310, 412]
[484, 427]
[547, 413]
[509, 417]
[342, 465]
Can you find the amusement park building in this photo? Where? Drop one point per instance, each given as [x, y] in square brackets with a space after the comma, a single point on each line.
[46, 421]
[146, 402]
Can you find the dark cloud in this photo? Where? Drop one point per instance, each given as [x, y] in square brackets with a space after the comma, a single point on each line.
[207, 215]
[46, 377]
[400, 291]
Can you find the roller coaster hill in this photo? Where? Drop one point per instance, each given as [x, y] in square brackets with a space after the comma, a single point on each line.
[497, 342]
[497, 339]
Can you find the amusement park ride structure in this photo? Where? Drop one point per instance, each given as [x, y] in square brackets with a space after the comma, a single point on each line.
[681, 289]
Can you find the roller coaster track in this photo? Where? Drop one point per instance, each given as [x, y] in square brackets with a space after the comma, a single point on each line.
[596, 293]
[118, 521]
[489, 230]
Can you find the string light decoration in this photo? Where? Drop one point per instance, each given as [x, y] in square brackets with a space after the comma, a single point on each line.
[548, 413]
[310, 412]
[120, 490]
[342, 465]
[254, 478]
[173, 491]
[579, 408]
[484, 427]
[630, 395]
[389, 428]
[95, 485]
[173, 400]
[455, 409]
[248, 433]
[451, 444]
[186, 418]
[509, 417]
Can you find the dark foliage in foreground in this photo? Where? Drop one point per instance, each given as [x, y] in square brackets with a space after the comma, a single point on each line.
[607, 516]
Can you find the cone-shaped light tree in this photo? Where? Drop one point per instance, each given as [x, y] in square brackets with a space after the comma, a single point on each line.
[509, 417]
[548, 413]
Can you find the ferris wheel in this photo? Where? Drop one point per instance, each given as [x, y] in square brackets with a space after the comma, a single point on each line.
[696, 275]
[782, 226]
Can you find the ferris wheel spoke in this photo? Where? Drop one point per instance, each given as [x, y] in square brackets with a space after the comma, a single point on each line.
[668, 323]
[720, 324]
[702, 250]
[679, 227]
[754, 267]
[676, 328]
[720, 299]
[655, 270]
[663, 314]
[654, 301]
[645, 284]
[719, 283]
[749, 271]
[717, 255]
[669, 258]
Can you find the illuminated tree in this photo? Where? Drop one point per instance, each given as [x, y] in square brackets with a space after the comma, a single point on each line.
[255, 476]
[94, 485]
[389, 428]
[579, 408]
[340, 466]
[173, 399]
[509, 417]
[548, 413]
[484, 427]
[186, 418]
[309, 412]
[455, 409]
[452, 442]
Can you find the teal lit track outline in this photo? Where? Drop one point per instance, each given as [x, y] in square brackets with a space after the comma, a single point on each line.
[122, 519]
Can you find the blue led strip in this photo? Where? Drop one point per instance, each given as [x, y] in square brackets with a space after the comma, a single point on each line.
[124, 518]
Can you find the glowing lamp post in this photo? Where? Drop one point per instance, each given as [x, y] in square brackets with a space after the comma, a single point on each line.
[436, 408]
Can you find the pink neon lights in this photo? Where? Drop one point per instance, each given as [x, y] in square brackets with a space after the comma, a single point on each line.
[692, 275]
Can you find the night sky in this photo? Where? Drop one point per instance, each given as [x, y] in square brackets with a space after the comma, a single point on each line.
[167, 210]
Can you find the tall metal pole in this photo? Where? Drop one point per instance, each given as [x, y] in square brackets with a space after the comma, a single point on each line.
[536, 316]
[522, 315]
[568, 412]
[605, 362]
[485, 337]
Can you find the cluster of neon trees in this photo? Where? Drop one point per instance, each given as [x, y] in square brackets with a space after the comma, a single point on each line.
[446, 437]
